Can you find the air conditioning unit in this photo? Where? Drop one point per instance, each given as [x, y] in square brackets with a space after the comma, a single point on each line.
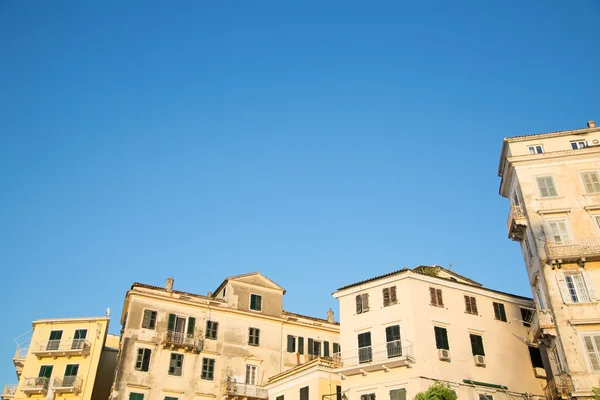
[539, 372]
[444, 354]
[479, 360]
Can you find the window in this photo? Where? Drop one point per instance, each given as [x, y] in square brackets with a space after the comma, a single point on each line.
[176, 364]
[279, 397]
[470, 305]
[536, 357]
[251, 374]
[484, 396]
[338, 392]
[314, 347]
[365, 353]
[558, 230]
[592, 348]
[142, 362]
[535, 149]
[45, 371]
[291, 344]
[304, 393]
[477, 345]
[540, 297]
[79, 339]
[136, 396]
[557, 360]
[579, 144]
[398, 394]
[256, 302]
[526, 316]
[546, 186]
[441, 338]
[362, 303]
[336, 348]
[326, 349]
[70, 375]
[176, 324]
[301, 345]
[149, 320]
[394, 344]
[597, 218]
[576, 287]
[253, 336]
[171, 398]
[208, 369]
[370, 396]
[211, 329]
[435, 296]
[591, 181]
[499, 312]
[389, 296]
[54, 340]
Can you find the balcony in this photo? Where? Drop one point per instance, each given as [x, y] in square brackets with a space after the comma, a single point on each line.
[397, 353]
[559, 387]
[38, 385]
[187, 341]
[68, 384]
[573, 251]
[541, 322]
[19, 359]
[235, 389]
[516, 223]
[56, 348]
[9, 392]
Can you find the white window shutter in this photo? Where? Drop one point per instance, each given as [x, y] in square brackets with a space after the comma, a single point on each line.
[589, 284]
[564, 290]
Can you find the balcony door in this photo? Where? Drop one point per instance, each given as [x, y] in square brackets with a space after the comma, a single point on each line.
[79, 339]
[365, 353]
[70, 375]
[54, 341]
[394, 344]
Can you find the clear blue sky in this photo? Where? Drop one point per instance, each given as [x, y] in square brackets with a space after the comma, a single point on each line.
[320, 143]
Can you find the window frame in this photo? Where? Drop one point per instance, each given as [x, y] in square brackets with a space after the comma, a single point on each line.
[539, 187]
[595, 344]
[535, 147]
[499, 312]
[477, 340]
[212, 331]
[260, 302]
[141, 351]
[471, 305]
[253, 377]
[362, 303]
[153, 326]
[436, 295]
[171, 359]
[253, 336]
[136, 396]
[564, 237]
[207, 371]
[541, 359]
[304, 393]
[577, 143]
[391, 295]
[585, 187]
[444, 340]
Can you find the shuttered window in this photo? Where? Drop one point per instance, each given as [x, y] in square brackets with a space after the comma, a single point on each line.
[441, 338]
[253, 336]
[208, 369]
[304, 393]
[471, 305]
[325, 349]
[546, 186]
[389, 296]
[256, 302]
[211, 329]
[398, 394]
[435, 297]
[251, 374]
[526, 316]
[149, 320]
[576, 288]
[191, 325]
[279, 397]
[592, 348]
[291, 344]
[176, 364]
[365, 353]
[336, 348]
[45, 371]
[301, 345]
[370, 396]
[499, 312]
[362, 303]
[591, 182]
[136, 396]
[559, 231]
[142, 362]
[477, 345]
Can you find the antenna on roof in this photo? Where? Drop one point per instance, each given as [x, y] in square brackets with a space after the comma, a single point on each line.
[450, 267]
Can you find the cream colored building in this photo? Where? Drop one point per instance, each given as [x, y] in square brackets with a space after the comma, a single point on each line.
[316, 379]
[71, 358]
[178, 345]
[404, 330]
[553, 183]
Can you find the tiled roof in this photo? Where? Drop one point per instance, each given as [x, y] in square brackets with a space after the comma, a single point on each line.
[568, 131]
[308, 317]
[144, 285]
[400, 271]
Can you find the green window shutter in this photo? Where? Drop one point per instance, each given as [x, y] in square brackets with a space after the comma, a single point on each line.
[503, 312]
[359, 304]
[136, 396]
[301, 345]
[304, 393]
[291, 344]
[336, 348]
[171, 323]
[72, 370]
[398, 394]
[139, 359]
[253, 302]
[310, 346]
[45, 371]
[441, 338]
[55, 335]
[477, 345]
[191, 325]
[146, 360]
[325, 349]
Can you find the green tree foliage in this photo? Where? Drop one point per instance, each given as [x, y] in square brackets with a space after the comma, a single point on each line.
[596, 393]
[437, 391]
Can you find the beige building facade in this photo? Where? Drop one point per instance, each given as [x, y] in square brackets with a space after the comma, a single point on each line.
[178, 345]
[68, 358]
[553, 183]
[402, 331]
[315, 379]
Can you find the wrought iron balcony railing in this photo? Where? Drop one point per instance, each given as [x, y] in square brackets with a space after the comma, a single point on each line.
[67, 384]
[36, 385]
[232, 388]
[395, 349]
[55, 348]
[9, 391]
[573, 250]
[182, 339]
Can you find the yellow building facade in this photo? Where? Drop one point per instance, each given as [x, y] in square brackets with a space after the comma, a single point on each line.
[66, 358]
[553, 183]
[315, 379]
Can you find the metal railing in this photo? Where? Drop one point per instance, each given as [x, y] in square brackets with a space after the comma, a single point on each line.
[572, 249]
[36, 383]
[515, 212]
[62, 346]
[541, 319]
[72, 382]
[379, 353]
[9, 390]
[182, 339]
[21, 352]
[233, 388]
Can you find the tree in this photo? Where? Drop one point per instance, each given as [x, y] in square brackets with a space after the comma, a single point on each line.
[437, 391]
[596, 393]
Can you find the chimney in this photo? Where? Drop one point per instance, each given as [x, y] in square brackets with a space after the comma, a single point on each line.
[591, 123]
[169, 284]
[330, 316]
